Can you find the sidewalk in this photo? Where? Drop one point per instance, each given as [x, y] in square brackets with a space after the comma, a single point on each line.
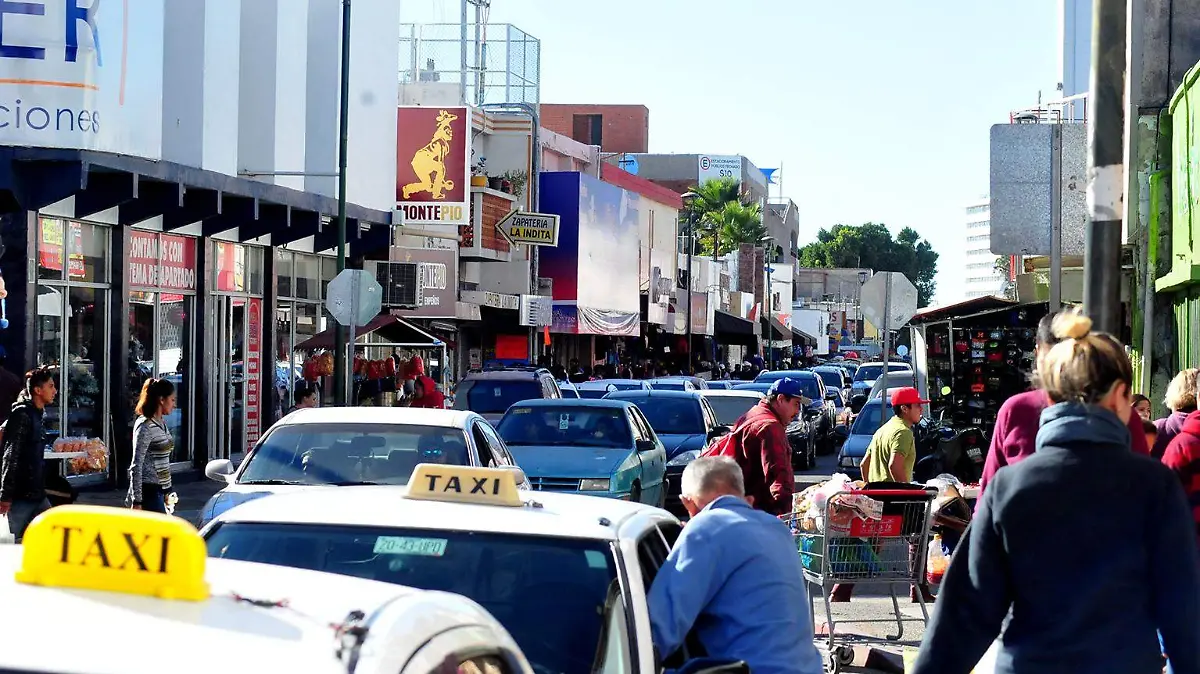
[193, 494]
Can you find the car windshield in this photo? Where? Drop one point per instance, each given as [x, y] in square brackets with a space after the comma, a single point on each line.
[868, 420]
[679, 416]
[549, 593]
[568, 426]
[495, 396]
[729, 408]
[343, 453]
[832, 379]
[872, 372]
[669, 385]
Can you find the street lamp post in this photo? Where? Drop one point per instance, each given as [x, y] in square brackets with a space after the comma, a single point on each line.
[340, 390]
[858, 319]
[689, 199]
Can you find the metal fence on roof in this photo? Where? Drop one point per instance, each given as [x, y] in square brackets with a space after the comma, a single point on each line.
[511, 60]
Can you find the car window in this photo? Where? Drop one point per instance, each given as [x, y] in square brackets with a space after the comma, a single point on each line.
[495, 396]
[639, 431]
[652, 554]
[549, 592]
[833, 379]
[710, 418]
[550, 388]
[729, 408]
[643, 424]
[868, 420]
[566, 426]
[500, 455]
[615, 651]
[345, 453]
[672, 416]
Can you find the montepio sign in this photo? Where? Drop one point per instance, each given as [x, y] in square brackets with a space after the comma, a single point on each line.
[530, 229]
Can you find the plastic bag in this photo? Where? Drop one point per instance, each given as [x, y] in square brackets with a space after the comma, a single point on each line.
[946, 484]
[6, 536]
[840, 482]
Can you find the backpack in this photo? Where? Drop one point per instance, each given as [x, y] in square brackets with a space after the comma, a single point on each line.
[726, 445]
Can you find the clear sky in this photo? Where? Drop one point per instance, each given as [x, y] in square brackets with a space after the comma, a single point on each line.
[877, 110]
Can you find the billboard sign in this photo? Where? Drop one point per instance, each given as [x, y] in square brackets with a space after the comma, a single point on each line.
[437, 272]
[713, 166]
[83, 77]
[433, 173]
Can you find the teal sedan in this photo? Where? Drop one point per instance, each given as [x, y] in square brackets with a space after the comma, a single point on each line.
[591, 447]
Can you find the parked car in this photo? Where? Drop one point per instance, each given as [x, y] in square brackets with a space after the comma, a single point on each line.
[677, 383]
[601, 387]
[592, 447]
[490, 393]
[892, 381]
[720, 384]
[867, 373]
[684, 422]
[338, 446]
[730, 405]
[859, 438]
[567, 389]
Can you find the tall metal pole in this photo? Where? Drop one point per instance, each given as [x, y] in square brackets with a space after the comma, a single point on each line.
[462, 48]
[887, 341]
[770, 327]
[341, 393]
[1106, 179]
[1055, 219]
[691, 246]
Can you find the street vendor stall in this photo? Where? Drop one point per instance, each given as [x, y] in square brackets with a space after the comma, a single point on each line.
[388, 354]
[981, 350]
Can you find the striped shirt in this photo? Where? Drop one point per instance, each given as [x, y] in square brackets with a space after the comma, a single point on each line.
[152, 447]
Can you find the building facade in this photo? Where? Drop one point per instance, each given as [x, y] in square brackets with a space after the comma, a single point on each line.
[980, 277]
[614, 128]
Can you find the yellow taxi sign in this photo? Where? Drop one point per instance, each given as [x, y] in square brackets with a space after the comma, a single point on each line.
[115, 550]
[464, 484]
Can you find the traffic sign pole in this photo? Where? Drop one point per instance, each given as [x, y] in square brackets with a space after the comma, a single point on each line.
[887, 345]
[341, 395]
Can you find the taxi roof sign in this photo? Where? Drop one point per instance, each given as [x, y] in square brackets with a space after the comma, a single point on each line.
[115, 550]
[464, 484]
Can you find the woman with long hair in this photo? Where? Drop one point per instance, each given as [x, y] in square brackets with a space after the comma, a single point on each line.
[1084, 586]
[150, 471]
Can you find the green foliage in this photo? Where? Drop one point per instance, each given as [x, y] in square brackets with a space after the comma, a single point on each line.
[724, 218]
[872, 246]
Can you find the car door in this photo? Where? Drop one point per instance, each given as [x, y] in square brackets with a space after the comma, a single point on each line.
[654, 462]
[653, 548]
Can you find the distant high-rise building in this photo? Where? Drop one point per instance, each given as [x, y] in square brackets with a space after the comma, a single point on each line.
[980, 277]
[1075, 54]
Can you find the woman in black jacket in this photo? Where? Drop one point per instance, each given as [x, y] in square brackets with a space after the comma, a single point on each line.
[1085, 548]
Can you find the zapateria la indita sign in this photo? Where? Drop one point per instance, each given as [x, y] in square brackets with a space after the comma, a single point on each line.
[530, 229]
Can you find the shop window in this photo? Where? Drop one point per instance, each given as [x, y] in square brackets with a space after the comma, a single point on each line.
[255, 269]
[50, 243]
[162, 304]
[308, 277]
[328, 271]
[283, 272]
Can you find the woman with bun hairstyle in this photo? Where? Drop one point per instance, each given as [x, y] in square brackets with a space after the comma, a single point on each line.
[150, 470]
[1017, 422]
[1086, 548]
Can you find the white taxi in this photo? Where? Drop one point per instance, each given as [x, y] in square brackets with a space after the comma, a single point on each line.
[339, 446]
[98, 590]
[566, 574]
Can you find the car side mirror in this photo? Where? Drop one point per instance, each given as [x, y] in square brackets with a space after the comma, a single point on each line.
[646, 445]
[713, 666]
[831, 395]
[219, 470]
[718, 431]
[857, 402]
[842, 431]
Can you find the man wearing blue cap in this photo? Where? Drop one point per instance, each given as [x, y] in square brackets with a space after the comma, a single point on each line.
[761, 447]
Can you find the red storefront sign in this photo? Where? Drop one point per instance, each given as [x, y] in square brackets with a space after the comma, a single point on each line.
[253, 371]
[162, 261]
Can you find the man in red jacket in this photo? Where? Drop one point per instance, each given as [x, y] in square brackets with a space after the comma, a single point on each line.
[762, 450]
[1183, 457]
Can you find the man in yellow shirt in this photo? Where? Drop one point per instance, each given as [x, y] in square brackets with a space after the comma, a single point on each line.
[893, 452]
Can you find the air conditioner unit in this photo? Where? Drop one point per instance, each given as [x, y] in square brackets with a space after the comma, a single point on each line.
[401, 283]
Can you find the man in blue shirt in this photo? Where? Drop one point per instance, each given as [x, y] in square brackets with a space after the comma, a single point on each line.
[735, 577]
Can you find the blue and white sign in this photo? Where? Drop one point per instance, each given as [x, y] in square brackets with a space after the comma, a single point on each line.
[82, 74]
[712, 166]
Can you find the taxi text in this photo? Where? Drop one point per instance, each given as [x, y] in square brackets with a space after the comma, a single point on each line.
[122, 551]
[451, 484]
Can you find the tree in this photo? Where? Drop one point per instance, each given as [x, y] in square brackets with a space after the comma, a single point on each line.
[1003, 267]
[724, 217]
[871, 246]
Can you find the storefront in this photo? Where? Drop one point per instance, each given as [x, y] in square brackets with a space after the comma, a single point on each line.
[161, 282]
[73, 313]
[301, 279]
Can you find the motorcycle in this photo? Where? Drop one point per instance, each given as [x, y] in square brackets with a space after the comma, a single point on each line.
[944, 449]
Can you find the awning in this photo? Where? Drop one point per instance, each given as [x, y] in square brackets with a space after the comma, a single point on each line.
[140, 189]
[803, 337]
[965, 308]
[391, 329]
[733, 329]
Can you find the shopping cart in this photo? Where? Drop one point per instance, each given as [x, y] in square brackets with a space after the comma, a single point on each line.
[846, 549]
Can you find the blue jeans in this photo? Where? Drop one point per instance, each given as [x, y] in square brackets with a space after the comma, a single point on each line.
[153, 498]
[22, 513]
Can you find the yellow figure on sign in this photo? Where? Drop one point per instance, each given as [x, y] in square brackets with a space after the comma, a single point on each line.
[429, 163]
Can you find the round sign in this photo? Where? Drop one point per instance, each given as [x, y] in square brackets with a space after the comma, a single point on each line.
[902, 351]
[705, 163]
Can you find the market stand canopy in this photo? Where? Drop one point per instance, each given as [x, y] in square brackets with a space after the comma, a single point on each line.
[392, 329]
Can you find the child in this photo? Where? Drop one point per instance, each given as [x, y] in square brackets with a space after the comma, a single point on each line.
[1151, 432]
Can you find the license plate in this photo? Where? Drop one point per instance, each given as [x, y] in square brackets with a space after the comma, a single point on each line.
[974, 452]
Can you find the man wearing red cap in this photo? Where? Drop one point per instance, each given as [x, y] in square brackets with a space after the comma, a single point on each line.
[893, 450]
